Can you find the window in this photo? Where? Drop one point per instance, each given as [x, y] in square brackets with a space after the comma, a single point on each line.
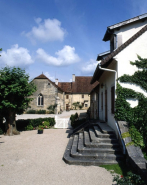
[101, 100]
[40, 100]
[112, 99]
[86, 105]
[67, 96]
[82, 95]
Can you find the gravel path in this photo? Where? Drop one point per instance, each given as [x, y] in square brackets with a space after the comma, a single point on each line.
[33, 159]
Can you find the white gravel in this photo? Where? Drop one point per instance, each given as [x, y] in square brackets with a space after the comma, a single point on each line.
[36, 159]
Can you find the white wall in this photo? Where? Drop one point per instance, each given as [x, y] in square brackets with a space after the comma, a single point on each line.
[108, 79]
[129, 30]
[139, 46]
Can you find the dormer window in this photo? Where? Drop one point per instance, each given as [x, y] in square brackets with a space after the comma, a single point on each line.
[115, 42]
[40, 100]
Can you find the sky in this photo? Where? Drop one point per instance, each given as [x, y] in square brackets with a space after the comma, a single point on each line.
[59, 37]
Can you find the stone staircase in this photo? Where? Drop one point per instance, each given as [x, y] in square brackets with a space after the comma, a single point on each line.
[95, 144]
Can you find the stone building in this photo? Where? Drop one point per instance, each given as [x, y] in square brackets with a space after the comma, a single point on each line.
[63, 94]
[48, 93]
[77, 91]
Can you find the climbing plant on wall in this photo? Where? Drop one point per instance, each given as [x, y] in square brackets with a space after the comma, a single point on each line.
[137, 116]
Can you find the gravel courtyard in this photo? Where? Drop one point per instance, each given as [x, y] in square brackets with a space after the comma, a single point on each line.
[33, 159]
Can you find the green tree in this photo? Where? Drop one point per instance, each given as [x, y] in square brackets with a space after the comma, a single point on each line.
[15, 92]
[76, 104]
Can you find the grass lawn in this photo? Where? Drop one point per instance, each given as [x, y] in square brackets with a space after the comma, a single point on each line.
[120, 168]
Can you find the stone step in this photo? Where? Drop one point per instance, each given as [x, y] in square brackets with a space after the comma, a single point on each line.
[102, 156]
[88, 143]
[103, 135]
[95, 138]
[82, 149]
[106, 129]
[81, 161]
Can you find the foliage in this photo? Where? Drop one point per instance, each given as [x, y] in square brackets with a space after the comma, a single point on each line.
[76, 104]
[51, 108]
[46, 124]
[29, 127]
[130, 179]
[80, 107]
[41, 112]
[136, 137]
[36, 111]
[22, 124]
[40, 127]
[137, 116]
[125, 134]
[31, 111]
[73, 118]
[15, 92]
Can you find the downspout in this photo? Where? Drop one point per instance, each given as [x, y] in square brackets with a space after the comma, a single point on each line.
[114, 71]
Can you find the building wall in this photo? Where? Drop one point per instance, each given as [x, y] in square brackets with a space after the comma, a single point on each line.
[48, 91]
[106, 81]
[85, 100]
[139, 46]
[129, 30]
[121, 63]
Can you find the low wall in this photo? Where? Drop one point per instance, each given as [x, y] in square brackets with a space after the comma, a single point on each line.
[134, 154]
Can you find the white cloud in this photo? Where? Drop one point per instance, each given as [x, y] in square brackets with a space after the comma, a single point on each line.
[52, 78]
[89, 67]
[46, 31]
[66, 56]
[16, 56]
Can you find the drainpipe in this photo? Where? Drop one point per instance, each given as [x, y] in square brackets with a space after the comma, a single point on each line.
[114, 71]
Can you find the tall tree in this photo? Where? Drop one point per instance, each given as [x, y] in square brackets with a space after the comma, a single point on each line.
[15, 92]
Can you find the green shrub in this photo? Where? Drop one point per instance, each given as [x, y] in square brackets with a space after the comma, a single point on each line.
[130, 179]
[22, 124]
[29, 127]
[31, 111]
[73, 118]
[136, 136]
[41, 112]
[46, 124]
[1, 131]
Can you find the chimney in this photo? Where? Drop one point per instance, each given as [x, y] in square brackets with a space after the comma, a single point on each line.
[73, 78]
[56, 81]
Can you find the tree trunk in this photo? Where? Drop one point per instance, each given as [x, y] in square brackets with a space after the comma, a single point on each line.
[10, 124]
[15, 131]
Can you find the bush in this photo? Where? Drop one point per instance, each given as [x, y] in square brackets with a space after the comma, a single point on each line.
[130, 179]
[41, 112]
[73, 118]
[31, 111]
[22, 124]
[29, 127]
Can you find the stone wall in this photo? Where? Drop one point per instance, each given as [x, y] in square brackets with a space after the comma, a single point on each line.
[49, 92]
[135, 158]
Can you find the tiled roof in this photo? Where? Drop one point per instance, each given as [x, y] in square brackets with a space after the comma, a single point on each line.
[106, 60]
[81, 85]
[66, 86]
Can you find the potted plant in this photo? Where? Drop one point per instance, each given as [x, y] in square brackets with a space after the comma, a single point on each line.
[40, 129]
